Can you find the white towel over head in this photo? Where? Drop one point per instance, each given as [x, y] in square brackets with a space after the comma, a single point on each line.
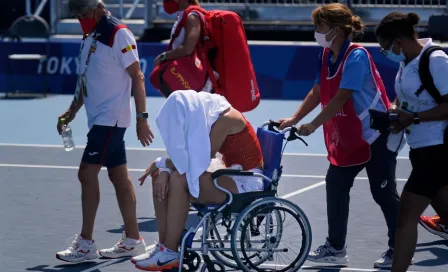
[185, 121]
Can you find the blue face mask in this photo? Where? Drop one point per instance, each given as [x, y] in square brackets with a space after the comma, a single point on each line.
[391, 55]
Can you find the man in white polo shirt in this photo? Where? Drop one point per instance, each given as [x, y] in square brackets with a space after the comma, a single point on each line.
[109, 68]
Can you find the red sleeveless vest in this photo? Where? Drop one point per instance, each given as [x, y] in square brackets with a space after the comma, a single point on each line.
[343, 132]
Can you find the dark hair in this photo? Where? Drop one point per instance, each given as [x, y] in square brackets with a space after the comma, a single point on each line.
[336, 14]
[397, 25]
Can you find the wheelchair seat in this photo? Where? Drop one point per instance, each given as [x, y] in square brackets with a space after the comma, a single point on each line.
[271, 147]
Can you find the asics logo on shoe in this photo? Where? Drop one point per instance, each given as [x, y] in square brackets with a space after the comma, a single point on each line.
[159, 263]
[84, 251]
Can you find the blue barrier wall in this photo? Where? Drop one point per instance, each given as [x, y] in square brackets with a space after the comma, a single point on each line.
[283, 71]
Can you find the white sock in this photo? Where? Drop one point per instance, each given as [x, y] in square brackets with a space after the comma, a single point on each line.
[133, 241]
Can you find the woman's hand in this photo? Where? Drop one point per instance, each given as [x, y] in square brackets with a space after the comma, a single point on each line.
[151, 170]
[405, 118]
[161, 186]
[287, 122]
[306, 129]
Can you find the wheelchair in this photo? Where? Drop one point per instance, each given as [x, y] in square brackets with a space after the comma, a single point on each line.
[243, 217]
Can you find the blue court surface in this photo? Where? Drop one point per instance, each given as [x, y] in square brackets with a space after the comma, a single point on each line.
[41, 208]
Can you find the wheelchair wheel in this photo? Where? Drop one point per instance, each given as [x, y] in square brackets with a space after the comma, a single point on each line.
[271, 242]
[192, 261]
[220, 238]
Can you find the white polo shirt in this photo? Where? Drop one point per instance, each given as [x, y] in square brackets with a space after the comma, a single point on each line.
[108, 100]
[407, 82]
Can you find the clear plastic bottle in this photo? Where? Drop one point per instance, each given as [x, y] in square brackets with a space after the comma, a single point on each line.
[67, 137]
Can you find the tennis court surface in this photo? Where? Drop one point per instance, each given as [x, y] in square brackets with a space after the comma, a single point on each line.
[41, 208]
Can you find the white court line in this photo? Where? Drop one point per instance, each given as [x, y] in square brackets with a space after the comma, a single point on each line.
[159, 149]
[315, 185]
[11, 165]
[323, 177]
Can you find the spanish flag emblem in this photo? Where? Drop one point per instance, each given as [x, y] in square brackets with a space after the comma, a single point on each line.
[128, 48]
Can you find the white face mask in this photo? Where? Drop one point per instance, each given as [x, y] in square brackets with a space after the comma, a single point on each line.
[320, 39]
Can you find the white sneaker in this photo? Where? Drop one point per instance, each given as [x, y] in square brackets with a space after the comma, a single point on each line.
[79, 251]
[150, 251]
[386, 260]
[163, 259]
[327, 254]
[124, 248]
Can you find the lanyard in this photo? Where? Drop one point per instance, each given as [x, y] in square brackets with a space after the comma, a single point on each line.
[400, 76]
[81, 84]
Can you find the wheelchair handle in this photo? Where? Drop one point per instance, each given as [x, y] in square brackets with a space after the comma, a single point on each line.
[230, 172]
[272, 125]
[294, 135]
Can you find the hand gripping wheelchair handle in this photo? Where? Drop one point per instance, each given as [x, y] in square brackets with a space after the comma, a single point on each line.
[230, 172]
[294, 135]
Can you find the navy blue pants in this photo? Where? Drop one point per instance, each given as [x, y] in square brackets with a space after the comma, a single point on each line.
[381, 173]
[105, 146]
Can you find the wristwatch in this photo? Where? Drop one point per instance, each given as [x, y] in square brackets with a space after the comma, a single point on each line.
[144, 115]
[416, 118]
[163, 57]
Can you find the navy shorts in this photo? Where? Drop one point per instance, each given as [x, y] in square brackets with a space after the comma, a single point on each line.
[105, 146]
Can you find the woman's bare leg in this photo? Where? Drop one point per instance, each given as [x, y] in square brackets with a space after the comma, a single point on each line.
[440, 205]
[161, 209]
[177, 212]
[411, 208]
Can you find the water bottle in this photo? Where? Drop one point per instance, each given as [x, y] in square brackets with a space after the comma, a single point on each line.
[67, 137]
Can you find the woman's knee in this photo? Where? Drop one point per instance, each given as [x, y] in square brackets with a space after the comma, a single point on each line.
[178, 181]
[412, 207]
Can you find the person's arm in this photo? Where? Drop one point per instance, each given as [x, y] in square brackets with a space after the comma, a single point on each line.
[138, 86]
[333, 107]
[218, 135]
[125, 47]
[438, 113]
[74, 108]
[439, 71]
[70, 113]
[192, 34]
[352, 81]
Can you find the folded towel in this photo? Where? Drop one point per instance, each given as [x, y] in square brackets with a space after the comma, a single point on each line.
[185, 121]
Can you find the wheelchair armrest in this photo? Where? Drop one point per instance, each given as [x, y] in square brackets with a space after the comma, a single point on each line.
[230, 172]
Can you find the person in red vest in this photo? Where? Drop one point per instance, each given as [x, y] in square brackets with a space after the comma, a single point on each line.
[347, 86]
[184, 44]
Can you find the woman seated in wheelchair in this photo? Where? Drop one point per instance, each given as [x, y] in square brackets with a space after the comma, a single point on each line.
[233, 137]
